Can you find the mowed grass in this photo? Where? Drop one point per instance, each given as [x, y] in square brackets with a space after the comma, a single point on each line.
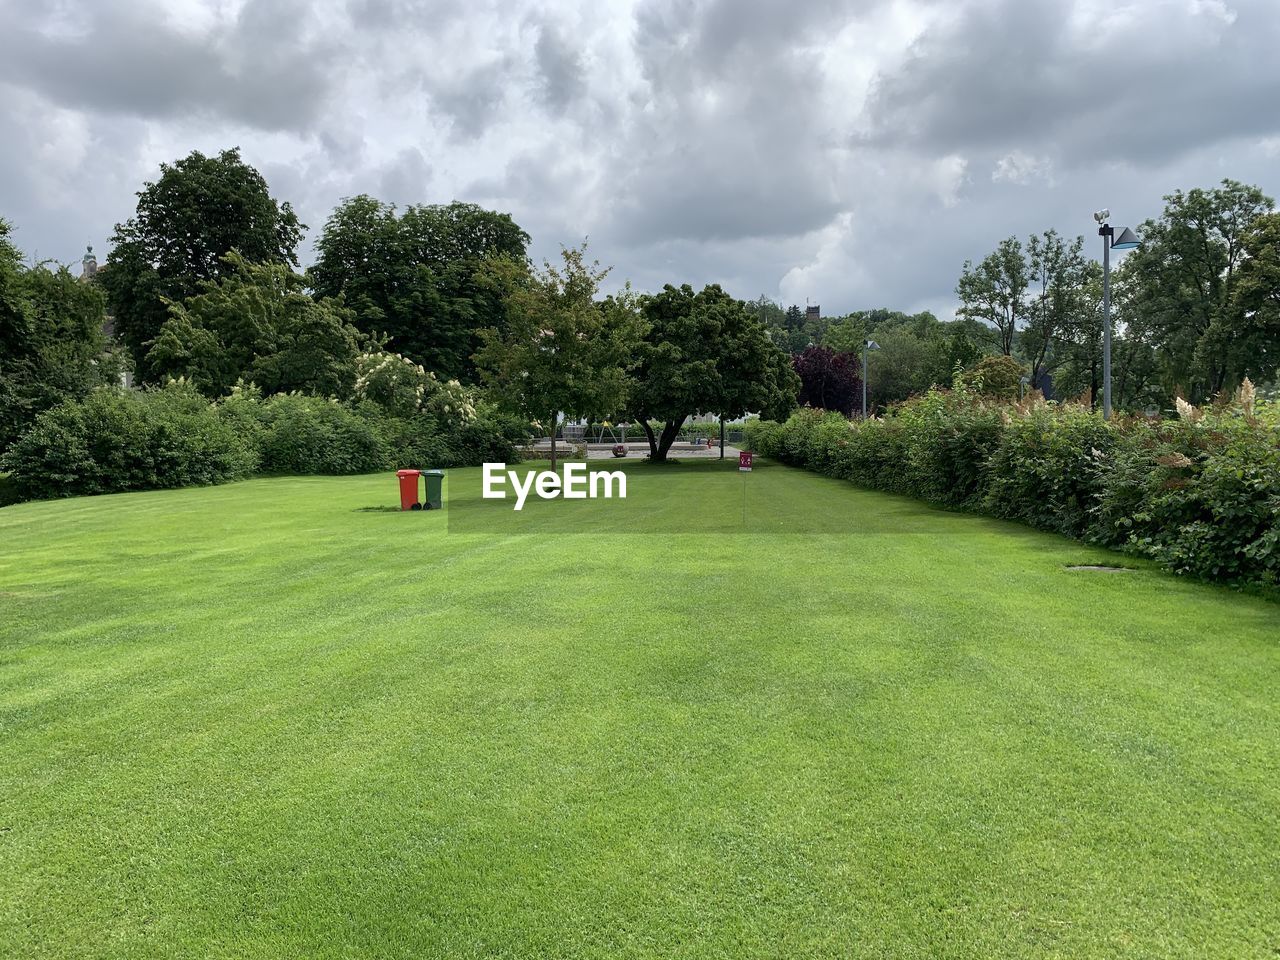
[276, 719]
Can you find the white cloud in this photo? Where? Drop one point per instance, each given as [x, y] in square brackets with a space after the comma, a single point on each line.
[1022, 168]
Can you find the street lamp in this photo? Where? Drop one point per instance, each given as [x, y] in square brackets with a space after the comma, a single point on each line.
[1126, 241]
[867, 346]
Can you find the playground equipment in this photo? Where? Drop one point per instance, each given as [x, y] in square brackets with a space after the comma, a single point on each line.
[606, 427]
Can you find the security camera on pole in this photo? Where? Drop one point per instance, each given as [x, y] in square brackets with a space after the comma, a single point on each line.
[1126, 241]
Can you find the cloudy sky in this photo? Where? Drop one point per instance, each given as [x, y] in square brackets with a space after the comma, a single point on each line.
[850, 153]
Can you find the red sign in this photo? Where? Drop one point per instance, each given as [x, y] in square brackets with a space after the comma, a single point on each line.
[744, 461]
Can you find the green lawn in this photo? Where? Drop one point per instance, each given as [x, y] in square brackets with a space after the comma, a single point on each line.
[276, 719]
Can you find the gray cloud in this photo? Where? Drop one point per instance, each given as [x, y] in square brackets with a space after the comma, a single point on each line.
[855, 153]
[559, 68]
[1147, 83]
[128, 59]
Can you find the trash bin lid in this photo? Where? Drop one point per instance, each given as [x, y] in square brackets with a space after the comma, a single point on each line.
[433, 473]
[407, 473]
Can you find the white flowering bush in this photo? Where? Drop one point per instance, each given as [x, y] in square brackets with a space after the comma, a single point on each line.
[449, 402]
[405, 389]
[392, 381]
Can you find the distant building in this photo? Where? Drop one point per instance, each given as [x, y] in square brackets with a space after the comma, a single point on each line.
[88, 269]
[812, 313]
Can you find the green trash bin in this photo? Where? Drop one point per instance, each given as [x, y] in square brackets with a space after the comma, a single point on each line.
[435, 489]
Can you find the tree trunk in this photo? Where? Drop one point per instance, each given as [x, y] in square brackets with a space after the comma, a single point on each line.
[554, 418]
[669, 433]
[648, 432]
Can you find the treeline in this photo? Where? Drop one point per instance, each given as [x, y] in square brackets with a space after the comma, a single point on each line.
[425, 333]
[1195, 311]
[1195, 308]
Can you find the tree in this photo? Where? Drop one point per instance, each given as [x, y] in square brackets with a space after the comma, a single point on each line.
[200, 209]
[15, 324]
[993, 291]
[995, 377]
[1056, 312]
[1256, 350]
[557, 351]
[417, 276]
[704, 353]
[1185, 276]
[257, 323]
[828, 380]
[51, 342]
[917, 350]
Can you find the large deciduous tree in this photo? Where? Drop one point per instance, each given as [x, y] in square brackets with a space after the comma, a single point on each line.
[51, 342]
[197, 211]
[557, 350]
[257, 323]
[828, 380]
[1185, 276]
[1256, 352]
[416, 276]
[1058, 306]
[704, 352]
[994, 290]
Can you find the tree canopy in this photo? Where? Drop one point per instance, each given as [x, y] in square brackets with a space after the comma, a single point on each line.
[1183, 282]
[558, 351]
[416, 276]
[51, 342]
[187, 221]
[829, 380]
[993, 290]
[704, 352]
[256, 323]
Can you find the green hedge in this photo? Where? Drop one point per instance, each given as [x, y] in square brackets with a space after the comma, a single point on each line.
[123, 440]
[1200, 494]
[117, 440]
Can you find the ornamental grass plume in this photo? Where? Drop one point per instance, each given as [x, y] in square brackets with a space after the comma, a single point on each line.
[1187, 411]
[1245, 396]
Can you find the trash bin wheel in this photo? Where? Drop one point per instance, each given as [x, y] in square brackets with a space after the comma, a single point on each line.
[416, 506]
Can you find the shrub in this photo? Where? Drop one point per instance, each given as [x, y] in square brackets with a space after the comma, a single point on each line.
[1047, 469]
[1200, 494]
[303, 434]
[947, 437]
[998, 376]
[116, 440]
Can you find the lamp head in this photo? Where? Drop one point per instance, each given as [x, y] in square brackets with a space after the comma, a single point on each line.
[872, 345]
[1126, 241]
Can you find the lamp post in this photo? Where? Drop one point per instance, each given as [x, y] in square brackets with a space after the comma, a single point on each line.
[867, 346]
[1126, 241]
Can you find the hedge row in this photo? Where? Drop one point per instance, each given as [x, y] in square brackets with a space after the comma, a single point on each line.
[116, 440]
[1200, 494]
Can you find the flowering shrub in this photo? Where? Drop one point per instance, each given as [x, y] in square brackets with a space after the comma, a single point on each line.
[1200, 494]
[392, 381]
[405, 389]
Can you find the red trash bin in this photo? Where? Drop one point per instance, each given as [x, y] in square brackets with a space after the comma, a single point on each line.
[408, 489]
